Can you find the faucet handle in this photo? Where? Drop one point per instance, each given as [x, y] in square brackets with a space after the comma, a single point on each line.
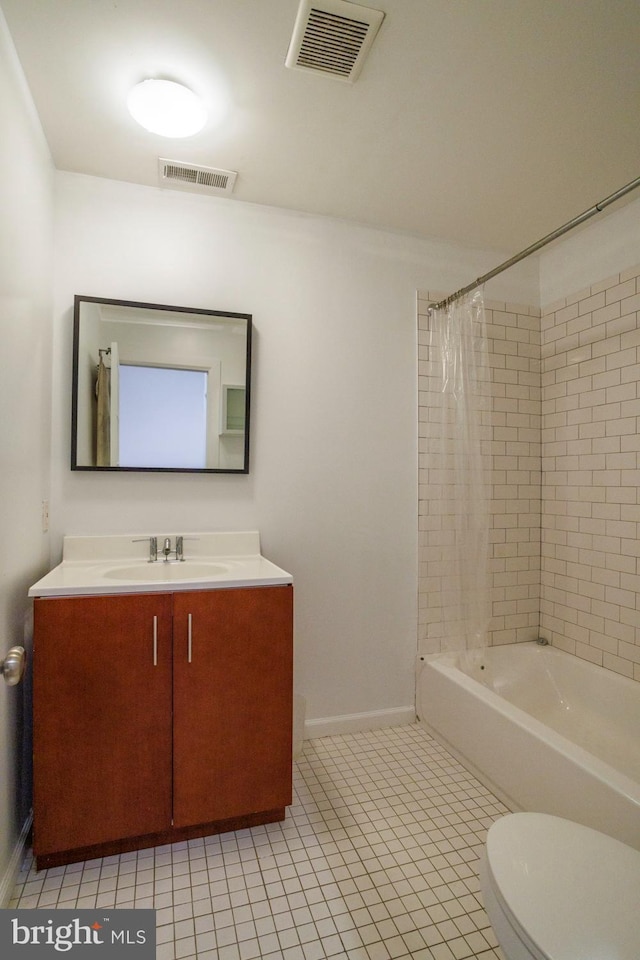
[153, 546]
[180, 546]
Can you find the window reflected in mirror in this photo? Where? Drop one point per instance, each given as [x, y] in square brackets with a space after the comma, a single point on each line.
[159, 388]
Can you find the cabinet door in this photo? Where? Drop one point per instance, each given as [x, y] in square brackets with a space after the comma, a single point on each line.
[232, 702]
[102, 719]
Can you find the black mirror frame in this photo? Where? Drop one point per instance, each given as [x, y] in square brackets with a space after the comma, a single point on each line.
[77, 301]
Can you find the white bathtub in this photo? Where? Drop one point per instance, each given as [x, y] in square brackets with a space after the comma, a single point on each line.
[544, 730]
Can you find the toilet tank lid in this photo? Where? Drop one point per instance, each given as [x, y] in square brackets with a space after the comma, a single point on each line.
[574, 891]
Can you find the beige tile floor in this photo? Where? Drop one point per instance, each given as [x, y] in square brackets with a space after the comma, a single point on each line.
[376, 859]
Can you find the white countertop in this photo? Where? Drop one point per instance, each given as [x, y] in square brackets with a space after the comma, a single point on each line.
[116, 565]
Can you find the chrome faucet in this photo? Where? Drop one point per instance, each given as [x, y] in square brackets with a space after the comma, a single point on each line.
[167, 549]
[178, 551]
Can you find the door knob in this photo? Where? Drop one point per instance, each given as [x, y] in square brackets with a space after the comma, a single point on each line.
[13, 665]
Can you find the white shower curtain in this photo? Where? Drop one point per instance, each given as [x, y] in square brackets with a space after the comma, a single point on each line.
[462, 444]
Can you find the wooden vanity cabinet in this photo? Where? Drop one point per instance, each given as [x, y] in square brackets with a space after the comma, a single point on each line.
[159, 717]
[232, 702]
[101, 728]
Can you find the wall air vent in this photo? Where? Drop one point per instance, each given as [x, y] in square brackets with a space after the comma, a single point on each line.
[190, 176]
[332, 37]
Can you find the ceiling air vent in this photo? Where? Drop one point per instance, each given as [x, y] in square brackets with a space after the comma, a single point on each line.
[332, 37]
[190, 176]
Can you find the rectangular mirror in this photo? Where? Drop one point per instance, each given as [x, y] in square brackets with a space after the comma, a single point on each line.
[160, 388]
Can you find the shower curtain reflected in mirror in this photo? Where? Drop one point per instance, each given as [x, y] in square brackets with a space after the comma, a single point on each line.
[462, 445]
[103, 415]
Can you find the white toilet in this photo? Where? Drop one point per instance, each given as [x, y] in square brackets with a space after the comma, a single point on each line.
[555, 890]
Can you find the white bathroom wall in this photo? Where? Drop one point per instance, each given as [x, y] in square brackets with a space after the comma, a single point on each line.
[26, 224]
[333, 481]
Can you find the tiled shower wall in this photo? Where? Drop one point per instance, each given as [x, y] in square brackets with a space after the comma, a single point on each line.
[563, 438]
[511, 440]
[590, 603]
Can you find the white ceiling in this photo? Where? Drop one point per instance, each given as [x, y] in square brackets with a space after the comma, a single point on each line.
[483, 122]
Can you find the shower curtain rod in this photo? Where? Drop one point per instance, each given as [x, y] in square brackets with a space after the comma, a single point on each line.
[569, 225]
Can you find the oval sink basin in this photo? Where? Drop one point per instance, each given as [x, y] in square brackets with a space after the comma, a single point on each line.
[144, 572]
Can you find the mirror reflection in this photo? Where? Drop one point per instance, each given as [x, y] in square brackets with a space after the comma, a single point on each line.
[158, 387]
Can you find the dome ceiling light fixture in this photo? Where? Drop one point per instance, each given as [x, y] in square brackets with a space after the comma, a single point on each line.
[167, 108]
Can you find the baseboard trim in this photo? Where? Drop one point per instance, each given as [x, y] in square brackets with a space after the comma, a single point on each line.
[359, 722]
[10, 876]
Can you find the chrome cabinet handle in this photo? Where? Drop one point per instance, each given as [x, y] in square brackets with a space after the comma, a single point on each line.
[155, 641]
[14, 665]
[189, 638]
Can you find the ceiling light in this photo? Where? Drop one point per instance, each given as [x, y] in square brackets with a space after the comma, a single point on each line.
[166, 108]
